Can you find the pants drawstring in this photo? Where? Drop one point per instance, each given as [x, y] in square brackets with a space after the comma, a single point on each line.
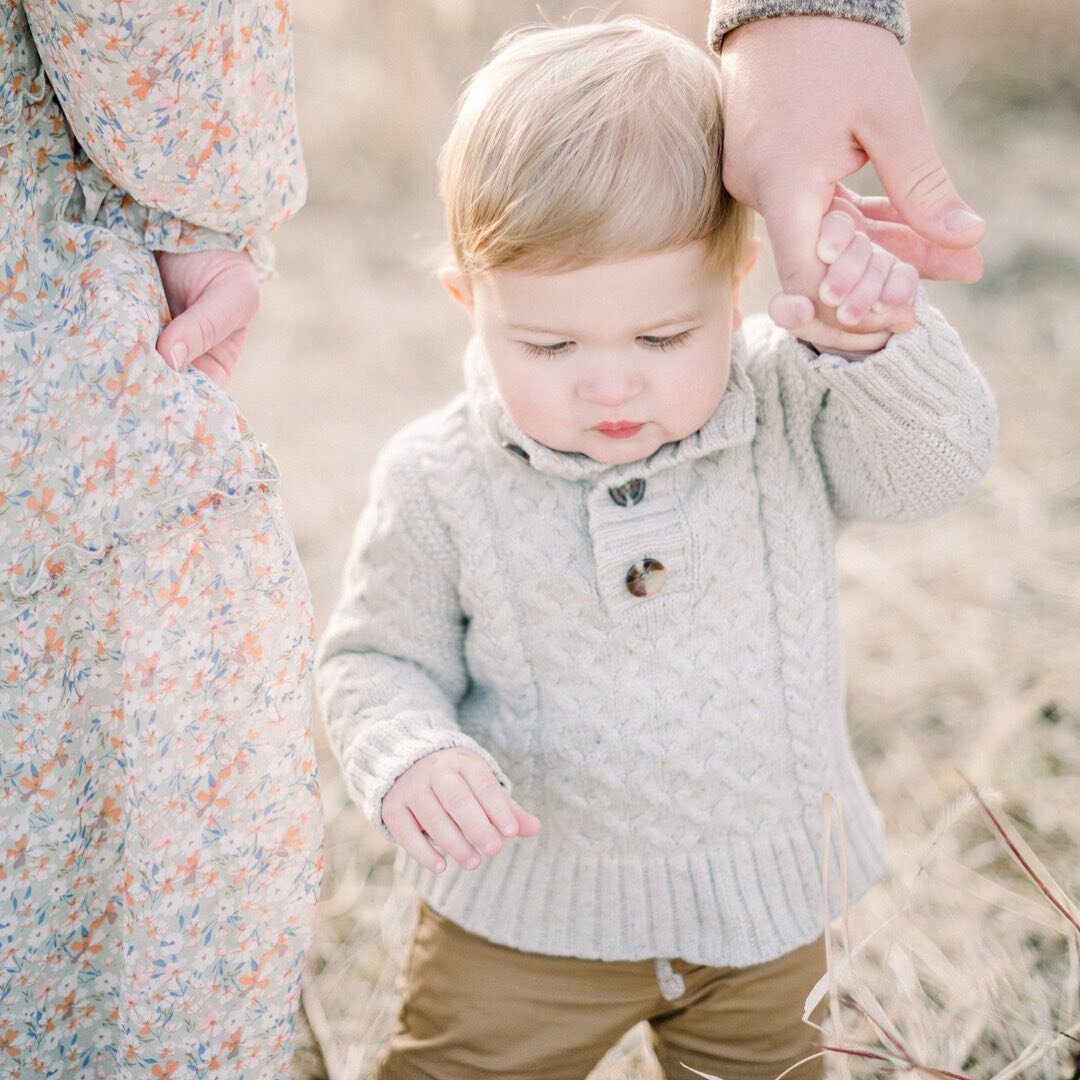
[672, 986]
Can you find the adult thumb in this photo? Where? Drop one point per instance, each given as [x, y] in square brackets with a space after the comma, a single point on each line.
[914, 178]
[226, 304]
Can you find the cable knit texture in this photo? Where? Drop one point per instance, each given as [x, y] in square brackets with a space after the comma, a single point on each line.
[725, 15]
[675, 746]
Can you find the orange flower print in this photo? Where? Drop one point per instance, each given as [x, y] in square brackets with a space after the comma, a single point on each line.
[147, 738]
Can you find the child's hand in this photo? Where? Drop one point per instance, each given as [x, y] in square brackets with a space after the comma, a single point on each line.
[452, 799]
[863, 280]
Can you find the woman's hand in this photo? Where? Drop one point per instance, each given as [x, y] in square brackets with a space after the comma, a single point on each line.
[452, 800]
[213, 296]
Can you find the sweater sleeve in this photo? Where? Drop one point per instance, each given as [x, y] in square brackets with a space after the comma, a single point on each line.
[187, 110]
[726, 15]
[390, 668]
[904, 433]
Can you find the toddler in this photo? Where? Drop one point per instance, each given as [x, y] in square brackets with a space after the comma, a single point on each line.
[597, 590]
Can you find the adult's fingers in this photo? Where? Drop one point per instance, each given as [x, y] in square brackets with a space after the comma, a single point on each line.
[220, 362]
[406, 832]
[897, 141]
[883, 224]
[226, 304]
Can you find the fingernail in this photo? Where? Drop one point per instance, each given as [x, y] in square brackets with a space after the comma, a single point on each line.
[879, 308]
[843, 315]
[440, 866]
[509, 830]
[491, 847]
[473, 863]
[179, 356]
[962, 220]
[827, 253]
[828, 296]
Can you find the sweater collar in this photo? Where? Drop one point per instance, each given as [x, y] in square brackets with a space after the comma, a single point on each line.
[733, 423]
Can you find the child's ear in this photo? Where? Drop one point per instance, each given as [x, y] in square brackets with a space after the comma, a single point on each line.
[753, 249]
[457, 285]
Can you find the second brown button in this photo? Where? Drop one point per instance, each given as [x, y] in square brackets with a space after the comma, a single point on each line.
[646, 578]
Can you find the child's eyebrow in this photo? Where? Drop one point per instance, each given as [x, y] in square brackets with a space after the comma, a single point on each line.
[690, 316]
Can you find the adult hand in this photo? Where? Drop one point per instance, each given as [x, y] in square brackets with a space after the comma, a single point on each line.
[450, 798]
[213, 296]
[808, 100]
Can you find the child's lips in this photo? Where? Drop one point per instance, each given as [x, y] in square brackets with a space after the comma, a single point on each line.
[619, 429]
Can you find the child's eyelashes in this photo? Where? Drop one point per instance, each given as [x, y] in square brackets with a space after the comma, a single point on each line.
[546, 350]
[650, 341]
[669, 342]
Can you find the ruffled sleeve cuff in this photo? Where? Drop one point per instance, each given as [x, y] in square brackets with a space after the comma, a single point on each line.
[163, 231]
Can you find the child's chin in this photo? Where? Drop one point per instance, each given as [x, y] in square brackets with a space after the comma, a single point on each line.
[620, 453]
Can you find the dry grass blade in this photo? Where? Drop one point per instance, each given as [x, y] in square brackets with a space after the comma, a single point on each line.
[1027, 860]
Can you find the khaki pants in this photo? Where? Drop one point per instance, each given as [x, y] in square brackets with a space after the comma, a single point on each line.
[472, 1009]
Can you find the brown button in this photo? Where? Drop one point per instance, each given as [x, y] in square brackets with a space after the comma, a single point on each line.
[517, 451]
[646, 578]
[628, 494]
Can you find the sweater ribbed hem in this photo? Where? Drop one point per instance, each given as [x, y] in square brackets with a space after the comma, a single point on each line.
[728, 14]
[742, 903]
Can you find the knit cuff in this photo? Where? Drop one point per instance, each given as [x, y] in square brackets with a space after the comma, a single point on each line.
[391, 749]
[921, 377]
[728, 14]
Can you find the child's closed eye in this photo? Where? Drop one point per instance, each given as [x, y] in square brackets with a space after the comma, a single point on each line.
[546, 350]
[653, 341]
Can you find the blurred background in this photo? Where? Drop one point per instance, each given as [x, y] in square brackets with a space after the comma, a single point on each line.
[963, 633]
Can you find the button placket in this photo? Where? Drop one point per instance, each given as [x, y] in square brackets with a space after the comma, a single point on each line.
[640, 542]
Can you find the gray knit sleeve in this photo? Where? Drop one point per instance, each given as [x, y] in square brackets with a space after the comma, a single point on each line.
[728, 14]
[390, 668]
[904, 433]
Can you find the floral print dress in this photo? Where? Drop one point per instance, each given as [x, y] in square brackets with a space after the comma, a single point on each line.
[159, 814]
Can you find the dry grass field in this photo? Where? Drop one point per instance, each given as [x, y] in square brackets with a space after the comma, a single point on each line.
[963, 633]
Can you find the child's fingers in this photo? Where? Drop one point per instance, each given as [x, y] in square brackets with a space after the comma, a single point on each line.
[444, 833]
[846, 272]
[867, 291]
[837, 230]
[527, 824]
[790, 311]
[459, 800]
[900, 286]
[403, 827]
[496, 804]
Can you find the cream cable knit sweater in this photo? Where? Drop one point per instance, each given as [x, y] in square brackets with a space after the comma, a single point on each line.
[675, 745]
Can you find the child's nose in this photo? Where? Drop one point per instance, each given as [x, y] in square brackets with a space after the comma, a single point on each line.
[611, 386]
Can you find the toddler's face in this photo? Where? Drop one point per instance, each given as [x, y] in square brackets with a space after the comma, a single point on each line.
[612, 360]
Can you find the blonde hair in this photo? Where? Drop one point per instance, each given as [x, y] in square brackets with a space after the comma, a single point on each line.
[579, 144]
